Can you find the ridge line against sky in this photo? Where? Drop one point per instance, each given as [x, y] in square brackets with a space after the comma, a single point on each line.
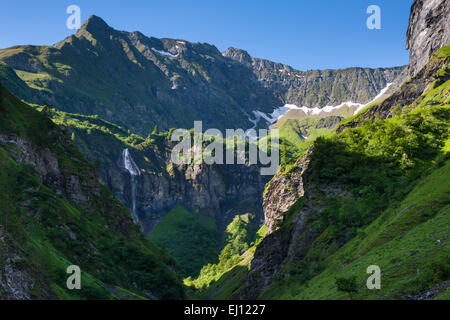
[320, 34]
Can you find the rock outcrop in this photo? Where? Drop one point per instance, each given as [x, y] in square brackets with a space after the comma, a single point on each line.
[221, 190]
[47, 167]
[290, 201]
[428, 31]
[283, 191]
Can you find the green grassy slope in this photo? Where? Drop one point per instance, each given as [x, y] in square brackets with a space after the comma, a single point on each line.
[101, 141]
[410, 243]
[397, 213]
[48, 232]
[297, 135]
[191, 238]
[240, 235]
[391, 208]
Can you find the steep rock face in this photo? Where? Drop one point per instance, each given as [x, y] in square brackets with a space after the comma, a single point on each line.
[223, 191]
[428, 31]
[318, 88]
[283, 191]
[410, 92]
[290, 201]
[47, 166]
[55, 213]
[16, 281]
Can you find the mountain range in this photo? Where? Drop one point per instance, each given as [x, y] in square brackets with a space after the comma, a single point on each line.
[138, 82]
[87, 179]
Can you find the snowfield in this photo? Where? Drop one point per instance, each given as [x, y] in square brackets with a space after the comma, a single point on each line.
[279, 112]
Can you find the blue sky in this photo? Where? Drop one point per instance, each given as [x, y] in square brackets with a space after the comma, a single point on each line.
[306, 34]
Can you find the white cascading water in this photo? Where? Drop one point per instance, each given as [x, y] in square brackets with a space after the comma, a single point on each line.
[134, 171]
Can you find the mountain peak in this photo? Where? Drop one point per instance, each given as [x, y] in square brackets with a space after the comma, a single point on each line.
[238, 54]
[94, 24]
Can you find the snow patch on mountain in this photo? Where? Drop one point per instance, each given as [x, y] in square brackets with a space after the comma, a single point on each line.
[279, 112]
[382, 92]
[165, 53]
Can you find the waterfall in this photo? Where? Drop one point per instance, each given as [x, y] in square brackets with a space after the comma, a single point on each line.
[134, 171]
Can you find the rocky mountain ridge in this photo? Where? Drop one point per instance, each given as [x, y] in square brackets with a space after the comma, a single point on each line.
[318, 88]
[138, 81]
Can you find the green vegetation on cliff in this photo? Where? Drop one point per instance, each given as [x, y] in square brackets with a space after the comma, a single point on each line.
[297, 135]
[408, 241]
[393, 210]
[240, 236]
[220, 280]
[54, 213]
[376, 194]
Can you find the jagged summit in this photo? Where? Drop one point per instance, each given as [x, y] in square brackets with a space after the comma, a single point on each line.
[93, 28]
[238, 55]
[138, 81]
[94, 23]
